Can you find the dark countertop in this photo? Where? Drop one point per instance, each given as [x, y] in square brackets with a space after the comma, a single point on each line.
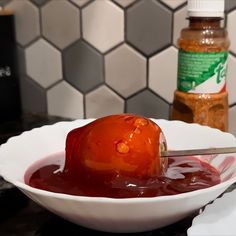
[22, 217]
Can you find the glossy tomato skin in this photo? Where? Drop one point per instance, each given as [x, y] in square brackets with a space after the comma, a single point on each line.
[124, 144]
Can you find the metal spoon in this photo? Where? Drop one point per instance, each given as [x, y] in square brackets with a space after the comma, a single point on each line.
[194, 152]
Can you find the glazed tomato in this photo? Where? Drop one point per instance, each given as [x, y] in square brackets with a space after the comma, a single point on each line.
[123, 144]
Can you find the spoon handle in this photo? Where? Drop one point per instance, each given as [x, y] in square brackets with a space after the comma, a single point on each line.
[193, 152]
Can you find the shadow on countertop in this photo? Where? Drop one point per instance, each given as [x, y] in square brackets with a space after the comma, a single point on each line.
[28, 121]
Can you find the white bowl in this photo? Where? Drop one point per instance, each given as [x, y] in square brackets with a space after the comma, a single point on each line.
[109, 214]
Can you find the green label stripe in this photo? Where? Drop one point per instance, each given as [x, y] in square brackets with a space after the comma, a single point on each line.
[194, 68]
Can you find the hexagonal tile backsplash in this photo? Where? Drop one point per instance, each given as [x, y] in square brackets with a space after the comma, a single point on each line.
[89, 58]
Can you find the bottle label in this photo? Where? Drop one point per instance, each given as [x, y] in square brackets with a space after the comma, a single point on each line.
[202, 72]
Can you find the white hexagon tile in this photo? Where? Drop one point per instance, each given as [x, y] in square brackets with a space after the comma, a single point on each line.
[103, 101]
[180, 22]
[26, 21]
[231, 79]
[89, 58]
[103, 24]
[124, 3]
[163, 74]
[232, 115]
[173, 3]
[125, 70]
[43, 63]
[65, 101]
[232, 30]
[80, 3]
[55, 28]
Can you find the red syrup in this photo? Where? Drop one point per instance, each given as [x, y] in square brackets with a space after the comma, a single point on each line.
[184, 174]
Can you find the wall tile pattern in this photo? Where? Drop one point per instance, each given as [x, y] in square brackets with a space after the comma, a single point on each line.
[231, 25]
[173, 3]
[86, 72]
[55, 28]
[162, 74]
[103, 24]
[64, 100]
[43, 63]
[26, 21]
[125, 70]
[148, 26]
[124, 3]
[80, 3]
[98, 101]
[89, 58]
[180, 22]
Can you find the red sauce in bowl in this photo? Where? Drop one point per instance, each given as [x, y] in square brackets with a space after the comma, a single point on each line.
[118, 157]
[184, 174]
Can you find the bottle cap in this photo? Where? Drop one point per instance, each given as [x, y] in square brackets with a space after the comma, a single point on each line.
[206, 8]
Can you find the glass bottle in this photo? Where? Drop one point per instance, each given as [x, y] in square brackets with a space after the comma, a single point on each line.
[201, 95]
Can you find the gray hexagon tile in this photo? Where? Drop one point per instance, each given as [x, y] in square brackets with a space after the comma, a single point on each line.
[232, 30]
[43, 63]
[61, 23]
[80, 3]
[26, 21]
[231, 81]
[180, 22]
[148, 104]
[4, 2]
[83, 66]
[149, 26]
[39, 2]
[21, 60]
[124, 3]
[232, 115]
[103, 24]
[125, 70]
[33, 97]
[173, 3]
[229, 5]
[163, 73]
[65, 101]
[102, 102]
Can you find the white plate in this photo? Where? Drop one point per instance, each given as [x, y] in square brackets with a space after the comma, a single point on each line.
[217, 219]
